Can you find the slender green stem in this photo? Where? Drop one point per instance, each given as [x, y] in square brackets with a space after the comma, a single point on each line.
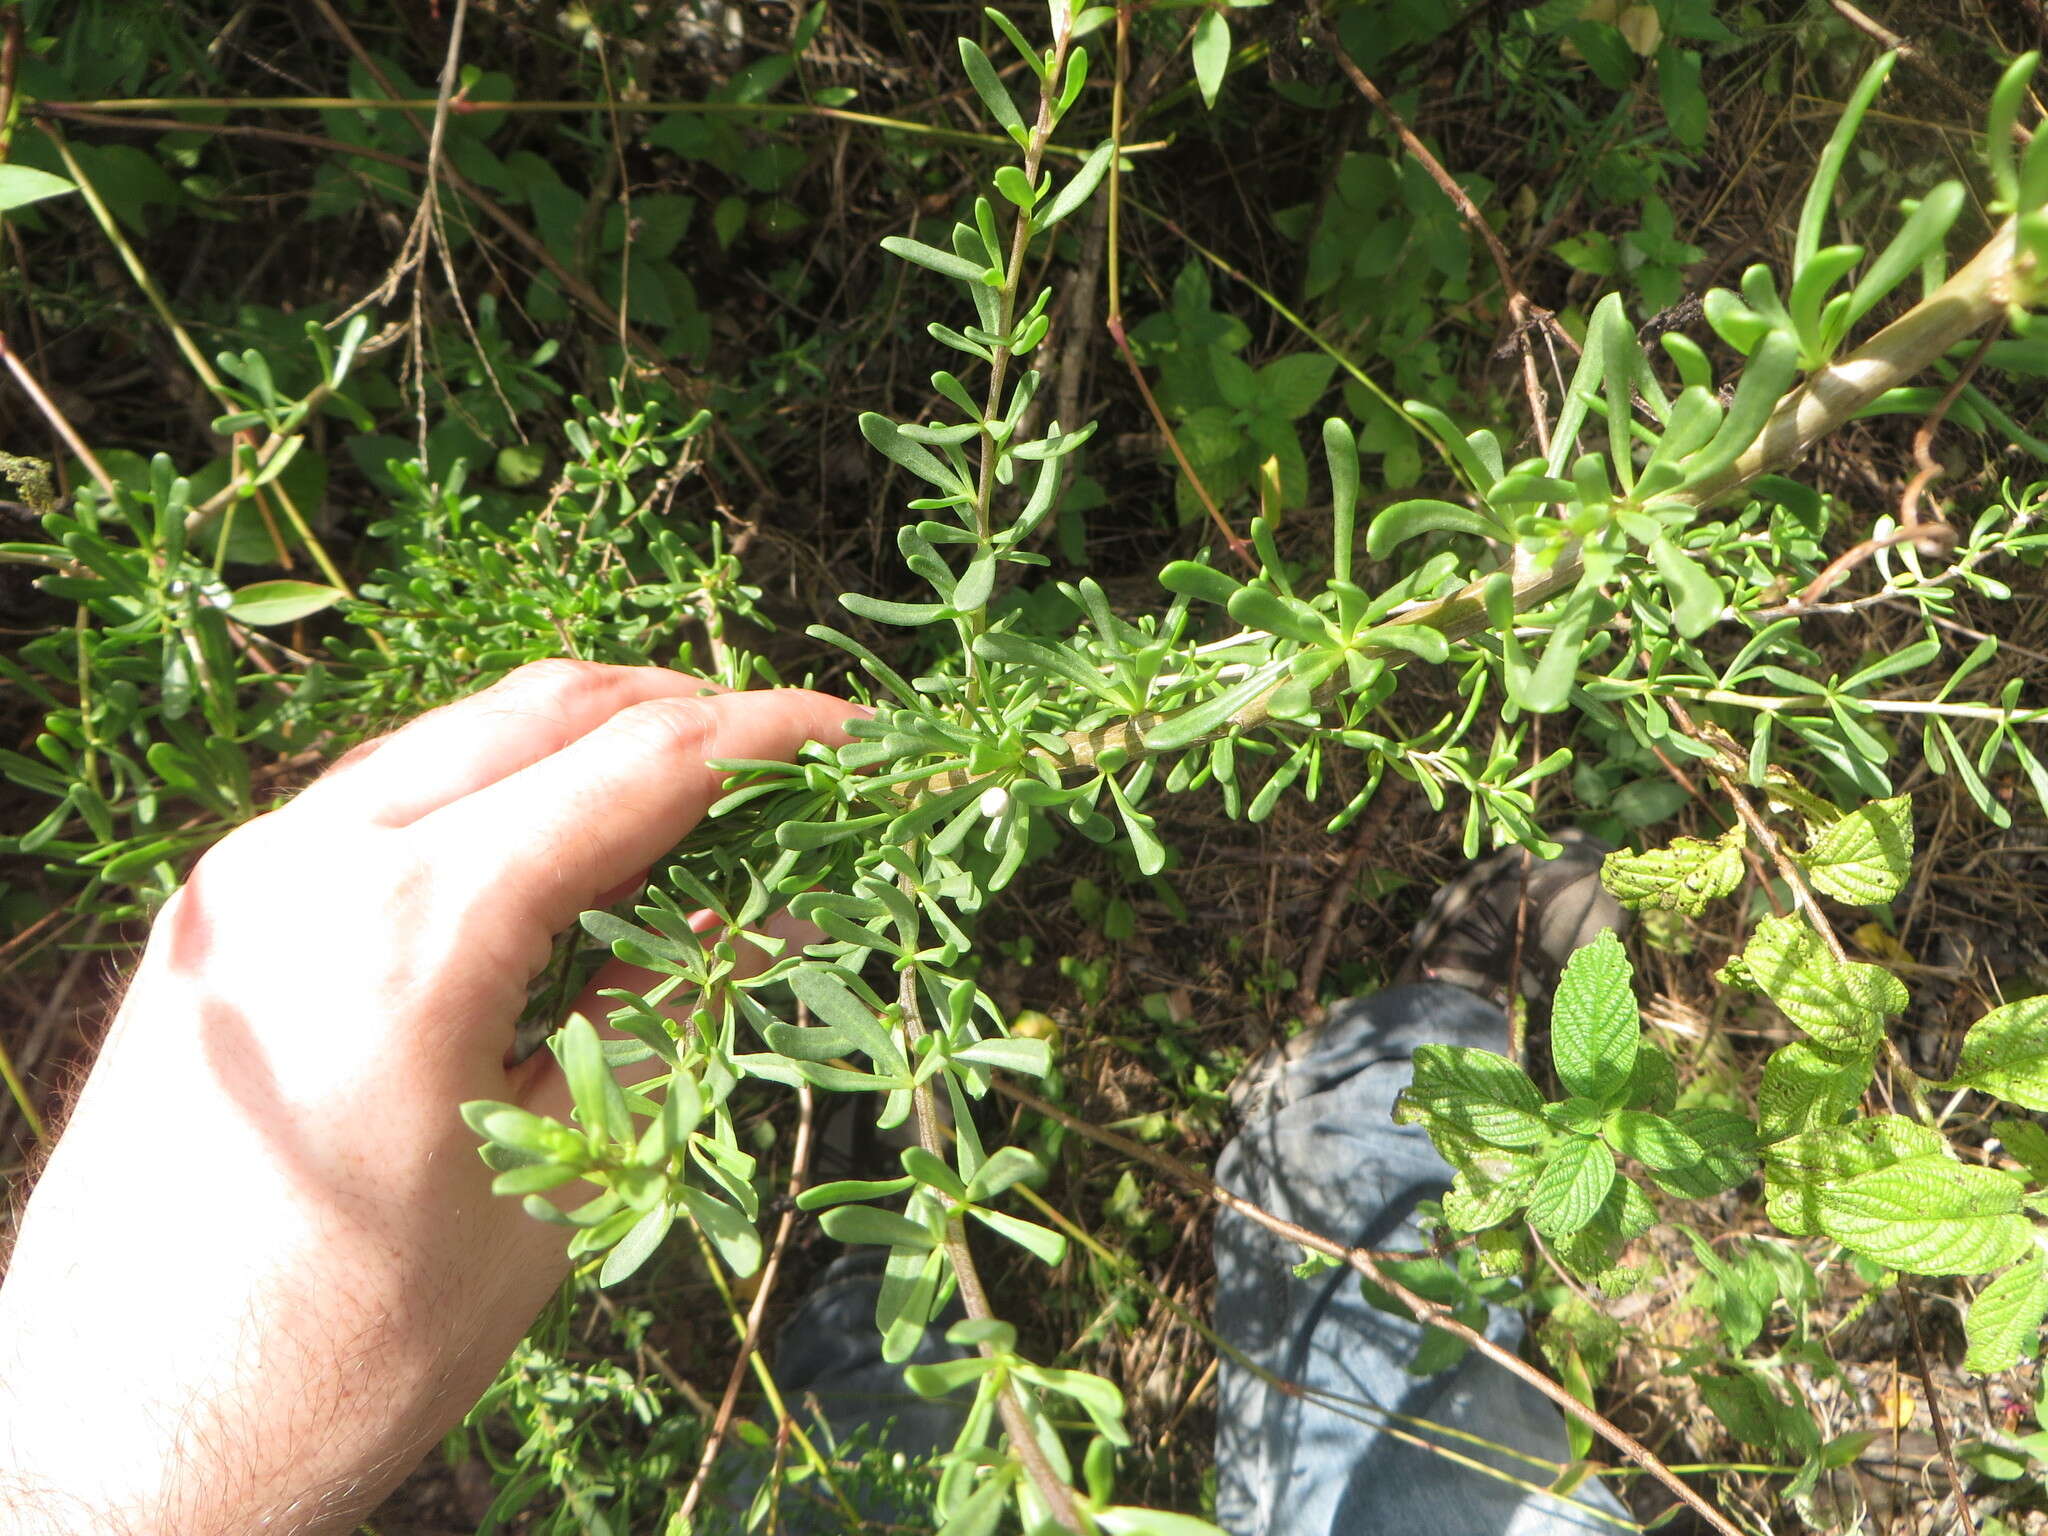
[134, 104]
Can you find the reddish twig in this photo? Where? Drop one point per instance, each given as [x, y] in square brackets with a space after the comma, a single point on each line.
[799, 1172]
[1114, 320]
[1956, 1480]
[1524, 314]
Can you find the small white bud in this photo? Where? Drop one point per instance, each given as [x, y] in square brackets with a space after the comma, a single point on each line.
[994, 801]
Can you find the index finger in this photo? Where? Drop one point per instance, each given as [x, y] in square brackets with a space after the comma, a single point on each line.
[556, 834]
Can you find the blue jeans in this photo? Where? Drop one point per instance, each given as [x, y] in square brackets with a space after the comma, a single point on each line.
[1326, 1457]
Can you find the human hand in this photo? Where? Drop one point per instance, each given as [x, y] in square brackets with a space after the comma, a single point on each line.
[263, 1270]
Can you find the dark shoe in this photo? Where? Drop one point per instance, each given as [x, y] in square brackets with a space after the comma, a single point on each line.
[1467, 937]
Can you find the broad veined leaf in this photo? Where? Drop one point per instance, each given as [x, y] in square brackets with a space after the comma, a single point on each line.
[1797, 1168]
[1481, 1094]
[1473, 1204]
[1594, 1026]
[2005, 1054]
[1862, 859]
[2027, 1143]
[1683, 876]
[1930, 1216]
[1652, 1140]
[1843, 1006]
[1572, 1187]
[1806, 1088]
[1728, 1153]
[2004, 1322]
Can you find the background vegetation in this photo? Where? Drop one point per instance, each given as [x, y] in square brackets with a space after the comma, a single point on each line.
[380, 382]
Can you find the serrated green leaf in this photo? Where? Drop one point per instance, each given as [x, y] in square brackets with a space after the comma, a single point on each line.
[1863, 858]
[1652, 1140]
[2004, 1322]
[1652, 1083]
[1683, 876]
[1798, 1167]
[1573, 1185]
[1842, 1005]
[1481, 1094]
[1930, 1216]
[1728, 1152]
[1806, 1088]
[2005, 1054]
[1473, 1204]
[2027, 1143]
[1594, 1025]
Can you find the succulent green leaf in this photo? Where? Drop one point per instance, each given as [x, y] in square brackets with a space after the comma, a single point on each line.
[1594, 1024]
[729, 1232]
[2005, 1054]
[638, 1245]
[1683, 876]
[988, 85]
[2004, 1323]
[1862, 859]
[1696, 598]
[282, 601]
[1079, 188]
[1410, 519]
[868, 1225]
[1572, 1187]
[931, 257]
[888, 439]
[1257, 608]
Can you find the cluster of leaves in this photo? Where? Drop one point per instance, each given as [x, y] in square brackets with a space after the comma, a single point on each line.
[892, 844]
[1616, 581]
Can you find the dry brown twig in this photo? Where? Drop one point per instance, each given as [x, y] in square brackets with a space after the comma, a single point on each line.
[1524, 315]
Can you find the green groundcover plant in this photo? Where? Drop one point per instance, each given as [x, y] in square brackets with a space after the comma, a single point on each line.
[1650, 573]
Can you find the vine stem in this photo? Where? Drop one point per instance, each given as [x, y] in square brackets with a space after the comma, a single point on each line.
[1368, 1264]
[931, 1135]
